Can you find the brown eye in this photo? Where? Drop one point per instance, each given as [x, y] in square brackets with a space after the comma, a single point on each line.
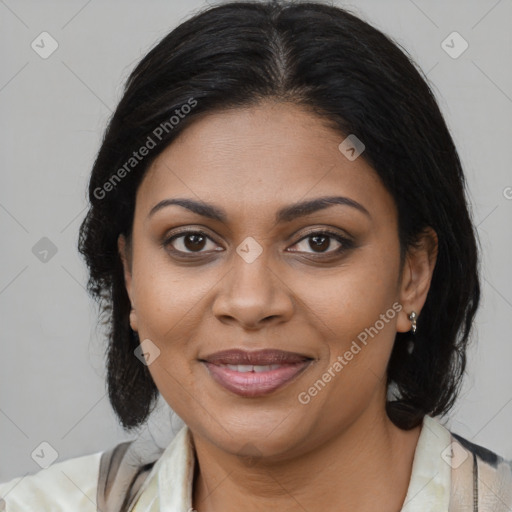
[194, 242]
[189, 242]
[319, 242]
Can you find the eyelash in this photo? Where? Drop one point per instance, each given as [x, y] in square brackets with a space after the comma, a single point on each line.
[346, 243]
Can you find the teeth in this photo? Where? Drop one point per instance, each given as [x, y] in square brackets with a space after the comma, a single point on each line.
[258, 368]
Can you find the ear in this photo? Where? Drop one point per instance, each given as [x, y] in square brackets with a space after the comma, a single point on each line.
[416, 277]
[126, 258]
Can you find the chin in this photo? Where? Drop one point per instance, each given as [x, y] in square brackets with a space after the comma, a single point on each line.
[258, 432]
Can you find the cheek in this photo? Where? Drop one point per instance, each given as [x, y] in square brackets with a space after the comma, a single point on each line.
[355, 313]
[177, 386]
[355, 374]
[168, 298]
[350, 299]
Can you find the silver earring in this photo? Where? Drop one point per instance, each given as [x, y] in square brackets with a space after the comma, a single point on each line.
[412, 317]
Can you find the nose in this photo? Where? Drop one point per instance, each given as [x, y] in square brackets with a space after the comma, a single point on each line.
[253, 295]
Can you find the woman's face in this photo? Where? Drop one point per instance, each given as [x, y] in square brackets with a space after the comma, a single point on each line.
[256, 280]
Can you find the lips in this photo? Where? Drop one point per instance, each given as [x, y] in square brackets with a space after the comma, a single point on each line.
[254, 373]
[257, 357]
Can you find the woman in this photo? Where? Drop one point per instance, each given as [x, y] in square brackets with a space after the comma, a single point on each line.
[279, 235]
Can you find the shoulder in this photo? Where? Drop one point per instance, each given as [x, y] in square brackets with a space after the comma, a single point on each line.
[483, 454]
[487, 474]
[66, 485]
[104, 480]
[493, 465]
[460, 474]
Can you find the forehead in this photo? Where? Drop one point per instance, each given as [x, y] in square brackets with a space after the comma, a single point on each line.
[257, 159]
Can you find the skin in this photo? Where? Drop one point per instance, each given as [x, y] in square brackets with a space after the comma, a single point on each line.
[272, 452]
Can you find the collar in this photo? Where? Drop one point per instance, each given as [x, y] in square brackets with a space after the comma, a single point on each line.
[430, 484]
[168, 487]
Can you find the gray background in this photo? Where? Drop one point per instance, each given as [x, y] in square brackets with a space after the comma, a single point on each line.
[53, 112]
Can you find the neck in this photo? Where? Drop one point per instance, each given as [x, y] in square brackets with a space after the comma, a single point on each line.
[372, 454]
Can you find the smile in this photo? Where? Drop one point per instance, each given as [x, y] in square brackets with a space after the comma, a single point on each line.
[255, 380]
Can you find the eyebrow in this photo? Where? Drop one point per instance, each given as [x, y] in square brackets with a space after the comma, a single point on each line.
[286, 214]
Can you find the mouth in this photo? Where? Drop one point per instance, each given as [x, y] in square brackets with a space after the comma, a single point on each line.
[255, 373]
